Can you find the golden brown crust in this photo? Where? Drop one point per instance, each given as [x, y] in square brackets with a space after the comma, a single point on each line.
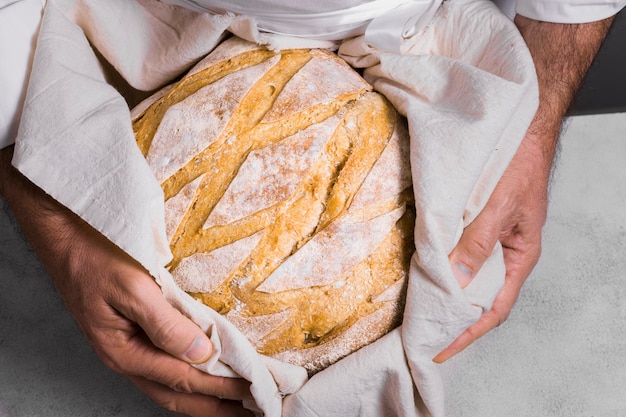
[288, 198]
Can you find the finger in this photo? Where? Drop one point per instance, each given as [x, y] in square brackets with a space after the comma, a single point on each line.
[487, 322]
[475, 246]
[143, 302]
[141, 358]
[164, 343]
[521, 254]
[191, 404]
[498, 314]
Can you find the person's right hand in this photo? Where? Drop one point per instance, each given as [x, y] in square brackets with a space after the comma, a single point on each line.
[120, 308]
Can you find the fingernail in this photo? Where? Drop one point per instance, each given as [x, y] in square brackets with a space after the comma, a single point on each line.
[440, 358]
[199, 350]
[463, 274]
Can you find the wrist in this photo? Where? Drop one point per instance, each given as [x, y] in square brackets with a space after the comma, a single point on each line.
[542, 150]
[562, 54]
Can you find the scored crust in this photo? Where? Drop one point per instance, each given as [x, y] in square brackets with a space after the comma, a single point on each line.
[288, 198]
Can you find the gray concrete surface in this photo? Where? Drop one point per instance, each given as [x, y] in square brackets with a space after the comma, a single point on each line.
[561, 353]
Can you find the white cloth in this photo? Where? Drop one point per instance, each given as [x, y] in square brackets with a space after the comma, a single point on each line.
[468, 99]
[19, 23]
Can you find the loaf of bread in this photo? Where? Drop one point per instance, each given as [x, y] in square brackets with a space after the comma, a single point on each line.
[288, 198]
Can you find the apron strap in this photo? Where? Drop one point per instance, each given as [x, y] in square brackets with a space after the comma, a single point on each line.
[387, 31]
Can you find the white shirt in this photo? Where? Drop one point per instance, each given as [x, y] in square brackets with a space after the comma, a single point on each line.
[570, 11]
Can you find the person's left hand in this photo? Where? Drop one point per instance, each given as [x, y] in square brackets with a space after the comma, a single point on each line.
[514, 215]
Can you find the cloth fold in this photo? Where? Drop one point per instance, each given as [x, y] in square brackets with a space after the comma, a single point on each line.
[466, 84]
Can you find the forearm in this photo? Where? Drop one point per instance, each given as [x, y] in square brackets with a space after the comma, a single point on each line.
[562, 54]
[19, 193]
[41, 218]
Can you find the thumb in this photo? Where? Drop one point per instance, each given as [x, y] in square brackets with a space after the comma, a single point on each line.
[473, 249]
[178, 335]
[168, 328]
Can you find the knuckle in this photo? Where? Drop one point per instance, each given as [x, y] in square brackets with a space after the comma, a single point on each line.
[182, 383]
[162, 395]
[473, 333]
[181, 386]
[221, 388]
[112, 352]
[112, 365]
[164, 333]
[478, 248]
[168, 403]
[499, 316]
[116, 363]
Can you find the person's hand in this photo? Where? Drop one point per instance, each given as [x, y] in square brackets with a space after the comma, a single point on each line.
[516, 211]
[514, 215]
[121, 309]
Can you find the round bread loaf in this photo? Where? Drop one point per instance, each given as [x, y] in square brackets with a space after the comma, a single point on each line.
[288, 198]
